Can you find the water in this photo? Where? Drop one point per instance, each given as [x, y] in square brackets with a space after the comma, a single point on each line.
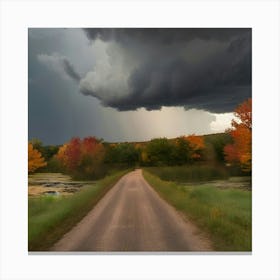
[53, 184]
[244, 183]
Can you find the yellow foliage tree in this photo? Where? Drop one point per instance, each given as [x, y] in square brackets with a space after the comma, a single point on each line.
[35, 159]
[144, 157]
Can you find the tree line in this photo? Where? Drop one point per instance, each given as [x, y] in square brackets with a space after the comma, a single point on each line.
[92, 157]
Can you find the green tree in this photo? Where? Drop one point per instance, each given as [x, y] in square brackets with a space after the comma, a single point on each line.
[159, 151]
[47, 151]
[123, 153]
[181, 152]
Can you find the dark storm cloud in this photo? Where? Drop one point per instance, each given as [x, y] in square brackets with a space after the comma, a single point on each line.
[54, 105]
[162, 35]
[168, 73]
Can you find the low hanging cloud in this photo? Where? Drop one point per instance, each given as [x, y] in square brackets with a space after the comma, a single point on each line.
[59, 64]
[207, 69]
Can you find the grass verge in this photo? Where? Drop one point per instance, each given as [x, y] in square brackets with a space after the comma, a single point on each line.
[51, 217]
[224, 213]
[189, 173]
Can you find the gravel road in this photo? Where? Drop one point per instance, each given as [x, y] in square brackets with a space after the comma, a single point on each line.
[133, 217]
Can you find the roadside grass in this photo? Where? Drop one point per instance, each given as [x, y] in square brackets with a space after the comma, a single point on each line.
[189, 173]
[51, 217]
[225, 214]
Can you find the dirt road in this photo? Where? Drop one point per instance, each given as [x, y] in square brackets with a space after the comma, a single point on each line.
[132, 217]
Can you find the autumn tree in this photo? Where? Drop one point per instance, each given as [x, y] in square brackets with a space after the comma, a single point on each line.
[35, 159]
[144, 157]
[82, 158]
[47, 151]
[240, 151]
[197, 145]
[61, 155]
[92, 157]
[70, 154]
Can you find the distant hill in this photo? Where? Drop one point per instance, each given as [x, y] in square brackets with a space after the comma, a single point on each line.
[207, 137]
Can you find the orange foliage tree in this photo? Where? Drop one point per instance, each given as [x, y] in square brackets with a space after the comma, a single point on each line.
[240, 152]
[82, 157]
[197, 145]
[92, 155]
[35, 159]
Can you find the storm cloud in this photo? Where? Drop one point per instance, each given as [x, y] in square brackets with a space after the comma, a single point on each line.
[194, 76]
[201, 68]
[162, 35]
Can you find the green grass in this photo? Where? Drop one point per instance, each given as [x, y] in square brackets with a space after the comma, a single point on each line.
[189, 173]
[225, 214]
[51, 217]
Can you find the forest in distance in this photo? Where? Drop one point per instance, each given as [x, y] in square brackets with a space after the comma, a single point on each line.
[224, 154]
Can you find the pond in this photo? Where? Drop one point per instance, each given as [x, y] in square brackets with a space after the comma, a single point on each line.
[244, 183]
[53, 184]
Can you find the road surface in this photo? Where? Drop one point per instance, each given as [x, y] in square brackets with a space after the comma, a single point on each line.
[133, 217]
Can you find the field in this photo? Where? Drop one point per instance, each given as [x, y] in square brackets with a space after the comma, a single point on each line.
[224, 213]
[49, 217]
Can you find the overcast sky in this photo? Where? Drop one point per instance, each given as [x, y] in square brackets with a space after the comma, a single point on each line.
[135, 84]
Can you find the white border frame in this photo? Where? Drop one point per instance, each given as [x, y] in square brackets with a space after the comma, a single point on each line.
[262, 16]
